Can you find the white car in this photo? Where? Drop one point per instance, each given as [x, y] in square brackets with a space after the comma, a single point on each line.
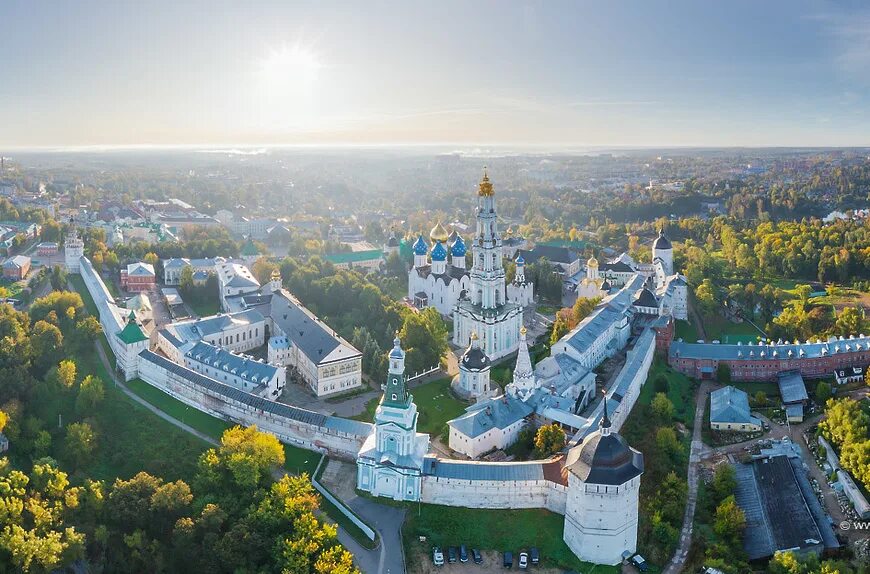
[524, 560]
[437, 556]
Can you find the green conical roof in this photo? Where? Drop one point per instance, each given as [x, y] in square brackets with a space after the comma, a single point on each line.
[249, 248]
[132, 332]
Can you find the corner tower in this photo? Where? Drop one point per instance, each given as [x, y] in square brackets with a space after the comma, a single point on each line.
[73, 250]
[603, 487]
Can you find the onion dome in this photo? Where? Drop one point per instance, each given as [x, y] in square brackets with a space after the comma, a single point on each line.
[420, 247]
[439, 252]
[661, 241]
[397, 352]
[604, 458]
[592, 262]
[474, 358]
[485, 187]
[438, 233]
[452, 238]
[458, 249]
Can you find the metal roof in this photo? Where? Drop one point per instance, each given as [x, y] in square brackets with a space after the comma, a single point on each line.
[311, 335]
[771, 350]
[611, 310]
[338, 424]
[473, 470]
[499, 412]
[731, 405]
[792, 387]
[238, 365]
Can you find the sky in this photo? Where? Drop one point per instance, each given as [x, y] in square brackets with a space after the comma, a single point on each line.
[538, 73]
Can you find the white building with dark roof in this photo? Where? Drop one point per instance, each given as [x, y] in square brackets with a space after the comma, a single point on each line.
[439, 279]
[488, 425]
[234, 279]
[242, 372]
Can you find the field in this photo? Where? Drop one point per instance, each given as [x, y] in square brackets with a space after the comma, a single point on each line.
[206, 308]
[718, 328]
[686, 331]
[492, 530]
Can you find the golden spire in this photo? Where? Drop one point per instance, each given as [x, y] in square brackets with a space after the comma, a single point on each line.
[485, 185]
[523, 330]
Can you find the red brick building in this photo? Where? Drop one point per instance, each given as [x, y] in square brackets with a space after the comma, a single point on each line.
[138, 277]
[762, 362]
[16, 268]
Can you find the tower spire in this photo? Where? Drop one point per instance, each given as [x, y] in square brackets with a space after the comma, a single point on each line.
[605, 420]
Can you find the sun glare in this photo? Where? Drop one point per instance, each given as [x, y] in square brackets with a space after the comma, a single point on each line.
[286, 85]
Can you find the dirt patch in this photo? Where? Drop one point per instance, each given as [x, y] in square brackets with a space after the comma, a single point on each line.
[421, 563]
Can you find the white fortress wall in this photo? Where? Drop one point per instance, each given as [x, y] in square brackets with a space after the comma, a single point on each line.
[495, 493]
[335, 436]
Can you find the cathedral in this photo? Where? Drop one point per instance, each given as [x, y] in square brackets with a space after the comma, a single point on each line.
[438, 278]
[486, 310]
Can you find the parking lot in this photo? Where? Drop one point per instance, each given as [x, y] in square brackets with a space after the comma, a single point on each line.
[492, 562]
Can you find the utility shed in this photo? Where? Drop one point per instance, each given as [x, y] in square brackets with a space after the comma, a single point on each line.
[794, 394]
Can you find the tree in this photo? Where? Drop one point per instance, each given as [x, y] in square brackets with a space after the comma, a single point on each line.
[424, 338]
[64, 374]
[47, 342]
[729, 522]
[760, 398]
[723, 373]
[262, 270]
[855, 458]
[844, 422]
[245, 460]
[185, 281]
[705, 293]
[560, 329]
[662, 407]
[823, 392]
[151, 258]
[91, 393]
[34, 537]
[724, 482]
[583, 307]
[549, 440]
[667, 442]
[4, 418]
[80, 443]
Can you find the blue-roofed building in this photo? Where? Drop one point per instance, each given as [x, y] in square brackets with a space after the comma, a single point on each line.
[488, 425]
[439, 279]
[245, 373]
[793, 392]
[729, 411]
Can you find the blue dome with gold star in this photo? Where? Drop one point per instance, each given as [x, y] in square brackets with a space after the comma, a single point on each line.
[420, 247]
[458, 249]
[439, 252]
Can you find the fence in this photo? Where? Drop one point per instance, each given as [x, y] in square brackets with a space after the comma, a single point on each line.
[339, 504]
[423, 373]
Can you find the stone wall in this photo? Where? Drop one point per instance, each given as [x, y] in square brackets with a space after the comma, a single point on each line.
[495, 493]
[337, 437]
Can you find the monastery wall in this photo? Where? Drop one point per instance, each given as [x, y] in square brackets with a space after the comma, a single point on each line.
[494, 493]
[336, 437]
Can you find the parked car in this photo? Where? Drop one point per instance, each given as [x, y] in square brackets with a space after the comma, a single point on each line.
[524, 560]
[508, 561]
[534, 555]
[463, 553]
[451, 554]
[475, 555]
[640, 563]
[437, 556]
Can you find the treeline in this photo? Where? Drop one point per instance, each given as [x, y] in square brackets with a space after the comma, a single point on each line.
[65, 428]
[846, 427]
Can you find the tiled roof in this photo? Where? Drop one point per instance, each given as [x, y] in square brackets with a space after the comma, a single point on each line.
[499, 412]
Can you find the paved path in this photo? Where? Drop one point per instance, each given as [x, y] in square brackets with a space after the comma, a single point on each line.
[369, 561]
[679, 559]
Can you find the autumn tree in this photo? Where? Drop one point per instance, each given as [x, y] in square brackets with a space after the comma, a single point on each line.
[663, 407]
[80, 443]
[549, 440]
[91, 393]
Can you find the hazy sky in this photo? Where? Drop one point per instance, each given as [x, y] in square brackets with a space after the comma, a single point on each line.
[698, 72]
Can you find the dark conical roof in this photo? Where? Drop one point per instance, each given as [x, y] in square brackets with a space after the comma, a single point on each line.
[661, 241]
[604, 459]
[474, 359]
[645, 298]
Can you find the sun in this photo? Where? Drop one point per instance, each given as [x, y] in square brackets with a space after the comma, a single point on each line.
[285, 93]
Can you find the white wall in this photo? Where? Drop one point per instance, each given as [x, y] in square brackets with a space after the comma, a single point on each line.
[495, 494]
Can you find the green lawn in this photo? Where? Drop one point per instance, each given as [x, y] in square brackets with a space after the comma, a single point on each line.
[79, 285]
[686, 331]
[207, 308]
[494, 530]
[719, 328]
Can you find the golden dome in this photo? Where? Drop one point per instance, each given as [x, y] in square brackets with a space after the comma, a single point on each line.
[485, 185]
[438, 233]
[592, 262]
[523, 330]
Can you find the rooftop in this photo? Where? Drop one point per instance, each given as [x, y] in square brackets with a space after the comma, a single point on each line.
[731, 405]
[312, 336]
[482, 417]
